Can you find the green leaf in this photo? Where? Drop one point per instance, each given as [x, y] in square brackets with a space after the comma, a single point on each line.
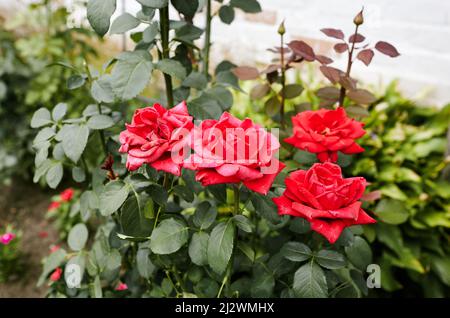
[243, 223]
[74, 276]
[184, 192]
[54, 175]
[292, 90]
[41, 138]
[441, 266]
[95, 288]
[330, 259]
[41, 118]
[102, 91]
[265, 207]
[229, 79]
[144, 264]
[123, 23]
[198, 248]
[195, 80]
[310, 282]
[205, 215]
[304, 157]
[75, 81]
[262, 283]
[112, 197]
[249, 6]
[300, 226]
[131, 74]
[391, 211]
[296, 251]
[220, 246]
[53, 261]
[150, 32]
[222, 95]
[99, 13]
[172, 68]
[132, 219]
[78, 174]
[188, 33]
[226, 14]
[359, 253]
[168, 237]
[272, 106]
[157, 4]
[188, 8]
[78, 236]
[74, 139]
[204, 107]
[59, 111]
[100, 122]
[246, 250]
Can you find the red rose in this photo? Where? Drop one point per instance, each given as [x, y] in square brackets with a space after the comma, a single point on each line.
[323, 197]
[54, 205]
[56, 275]
[66, 195]
[121, 286]
[230, 150]
[153, 134]
[325, 132]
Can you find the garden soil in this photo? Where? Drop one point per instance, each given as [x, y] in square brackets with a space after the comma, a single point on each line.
[24, 205]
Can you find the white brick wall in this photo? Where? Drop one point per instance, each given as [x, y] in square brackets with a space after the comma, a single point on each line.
[420, 29]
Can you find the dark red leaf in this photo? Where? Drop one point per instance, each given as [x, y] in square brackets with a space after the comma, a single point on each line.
[329, 93]
[333, 74]
[365, 56]
[347, 82]
[387, 49]
[302, 49]
[334, 33]
[323, 59]
[341, 47]
[245, 73]
[361, 96]
[356, 38]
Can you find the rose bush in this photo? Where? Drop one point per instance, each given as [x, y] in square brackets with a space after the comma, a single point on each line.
[173, 207]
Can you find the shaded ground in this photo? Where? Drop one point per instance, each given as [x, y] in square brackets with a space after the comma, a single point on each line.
[24, 205]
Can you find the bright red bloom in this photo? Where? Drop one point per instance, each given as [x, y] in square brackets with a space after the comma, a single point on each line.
[54, 205]
[121, 287]
[323, 197]
[153, 134]
[230, 150]
[325, 132]
[56, 275]
[43, 234]
[66, 195]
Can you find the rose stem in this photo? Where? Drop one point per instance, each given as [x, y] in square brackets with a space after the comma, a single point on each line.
[349, 67]
[207, 44]
[283, 80]
[164, 27]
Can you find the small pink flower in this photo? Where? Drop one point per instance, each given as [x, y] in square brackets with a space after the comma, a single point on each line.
[54, 248]
[6, 238]
[56, 275]
[121, 286]
[53, 206]
[66, 195]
